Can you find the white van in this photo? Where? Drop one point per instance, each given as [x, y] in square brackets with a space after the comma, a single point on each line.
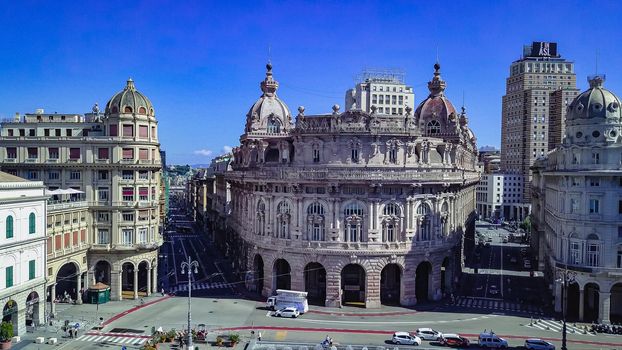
[491, 340]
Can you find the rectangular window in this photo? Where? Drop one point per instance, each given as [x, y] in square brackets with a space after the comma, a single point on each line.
[11, 152]
[593, 255]
[143, 193]
[619, 259]
[114, 130]
[128, 130]
[128, 216]
[575, 253]
[143, 215]
[83, 236]
[355, 155]
[33, 152]
[316, 155]
[103, 236]
[143, 174]
[74, 153]
[102, 175]
[127, 175]
[74, 175]
[143, 131]
[53, 152]
[153, 193]
[58, 242]
[374, 99]
[103, 216]
[143, 154]
[574, 206]
[53, 175]
[595, 158]
[103, 153]
[8, 272]
[594, 182]
[67, 239]
[128, 193]
[33, 175]
[102, 194]
[57, 132]
[69, 132]
[142, 235]
[127, 236]
[594, 206]
[128, 153]
[75, 238]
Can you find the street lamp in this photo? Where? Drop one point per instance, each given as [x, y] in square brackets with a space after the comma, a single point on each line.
[189, 265]
[565, 277]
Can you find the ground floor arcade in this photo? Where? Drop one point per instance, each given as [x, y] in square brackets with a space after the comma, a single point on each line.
[366, 281]
[24, 308]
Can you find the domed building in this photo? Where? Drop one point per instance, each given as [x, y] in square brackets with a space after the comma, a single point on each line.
[577, 208]
[353, 207]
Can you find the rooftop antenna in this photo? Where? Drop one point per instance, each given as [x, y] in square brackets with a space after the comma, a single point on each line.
[436, 53]
[269, 53]
[596, 61]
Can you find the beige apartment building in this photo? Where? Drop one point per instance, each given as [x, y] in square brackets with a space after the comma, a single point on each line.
[103, 171]
[540, 86]
[384, 89]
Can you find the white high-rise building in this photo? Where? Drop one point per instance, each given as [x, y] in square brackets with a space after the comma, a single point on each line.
[384, 90]
[22, 251]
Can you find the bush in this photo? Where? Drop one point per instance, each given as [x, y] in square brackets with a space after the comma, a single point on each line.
[235, 338]
[6, 331]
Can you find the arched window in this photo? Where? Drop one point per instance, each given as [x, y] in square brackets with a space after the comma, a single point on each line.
[32, 223]
[315, 222]
[353, 213]
[283, 219]
[434, 127]
[260, 223]
[444, 219]
[127, 109]
[142, 110]
[9, 226]
[274, 126]
[390, 222]
[423, 211]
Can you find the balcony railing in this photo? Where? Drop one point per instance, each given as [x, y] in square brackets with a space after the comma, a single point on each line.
[62, 205]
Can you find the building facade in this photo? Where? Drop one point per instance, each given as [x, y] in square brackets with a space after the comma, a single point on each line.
[22, 252]
[577, 207]
[489, 196]
[384, 89]
[114, 160]
[538, 89]
[354, 207]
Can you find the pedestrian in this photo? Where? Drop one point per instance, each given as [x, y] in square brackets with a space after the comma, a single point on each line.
[162, 291]
[259, 336]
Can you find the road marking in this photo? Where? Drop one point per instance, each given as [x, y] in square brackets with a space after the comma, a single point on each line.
[310, 320]
[269, 313]
[280, 335]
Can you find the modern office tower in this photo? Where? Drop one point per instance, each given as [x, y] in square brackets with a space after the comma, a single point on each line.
[577, 209]
[113, 160]
[533, 110]
[382, 88]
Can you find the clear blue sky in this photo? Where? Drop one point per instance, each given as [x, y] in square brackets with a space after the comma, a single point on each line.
[201, 62]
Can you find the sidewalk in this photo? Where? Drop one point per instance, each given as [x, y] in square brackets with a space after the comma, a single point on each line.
[86, 315]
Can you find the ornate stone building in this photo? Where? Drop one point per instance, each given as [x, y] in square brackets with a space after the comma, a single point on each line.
[353, 207]
[577, 207]
[111, 233]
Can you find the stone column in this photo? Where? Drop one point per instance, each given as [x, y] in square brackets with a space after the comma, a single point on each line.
[581, 307]
[91, 278]
[333, 287]
[154, 281]
[52, 298]
[267, 278]
[604, 307]
[115, 285]
[135, 283]
[150, 273]
[78, 287]
[372, 290]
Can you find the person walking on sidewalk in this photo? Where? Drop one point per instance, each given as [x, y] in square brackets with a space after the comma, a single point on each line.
[259, 336]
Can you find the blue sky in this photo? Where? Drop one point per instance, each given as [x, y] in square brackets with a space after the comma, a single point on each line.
[200, 62]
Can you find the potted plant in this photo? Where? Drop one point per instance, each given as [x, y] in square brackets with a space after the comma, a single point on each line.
[170, 336]
[219, 341]
[6, 334]
[234, 339]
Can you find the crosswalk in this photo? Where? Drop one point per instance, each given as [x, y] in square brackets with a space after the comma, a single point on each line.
[556, 326]
[497, 305]
[183, 287]
[115, 338]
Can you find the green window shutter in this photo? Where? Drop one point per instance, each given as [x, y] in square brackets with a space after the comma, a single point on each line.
[31, 270]
[32, 223]
[9, 276]
[9, 227]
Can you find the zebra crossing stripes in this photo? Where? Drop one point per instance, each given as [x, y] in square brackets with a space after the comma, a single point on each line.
[200, 286]
[496, 304]
[121, 338]
[556, 326]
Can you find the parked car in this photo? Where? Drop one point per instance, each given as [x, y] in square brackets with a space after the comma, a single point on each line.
[454, 340]
[287, 312]
[405, 338]
[538, 344]
[428, 334]
[505, 239]
[493, 290]
[491, 340]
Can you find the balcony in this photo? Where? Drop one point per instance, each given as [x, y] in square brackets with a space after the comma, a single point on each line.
[100, 247]
[74, 160]
[102, 161]
[10, 160]
[67, 204]
[31, 160]
[127, 161]
[52, 160]
[610, 271]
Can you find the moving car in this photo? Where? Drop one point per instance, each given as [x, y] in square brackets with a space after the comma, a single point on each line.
[538, 344]
[454, 340]
[405, 338]
[287, 312]
[428, 334]
[491, 340]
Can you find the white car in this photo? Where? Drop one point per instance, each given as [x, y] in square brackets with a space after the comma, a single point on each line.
[405, 338]
[287, 312]
[428, 334]
[538, 344]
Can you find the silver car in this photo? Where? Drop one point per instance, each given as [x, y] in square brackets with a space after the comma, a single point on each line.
[538, 344]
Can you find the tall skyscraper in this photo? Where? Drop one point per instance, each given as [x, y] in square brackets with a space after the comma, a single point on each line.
[538, 89]
[384, 89]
